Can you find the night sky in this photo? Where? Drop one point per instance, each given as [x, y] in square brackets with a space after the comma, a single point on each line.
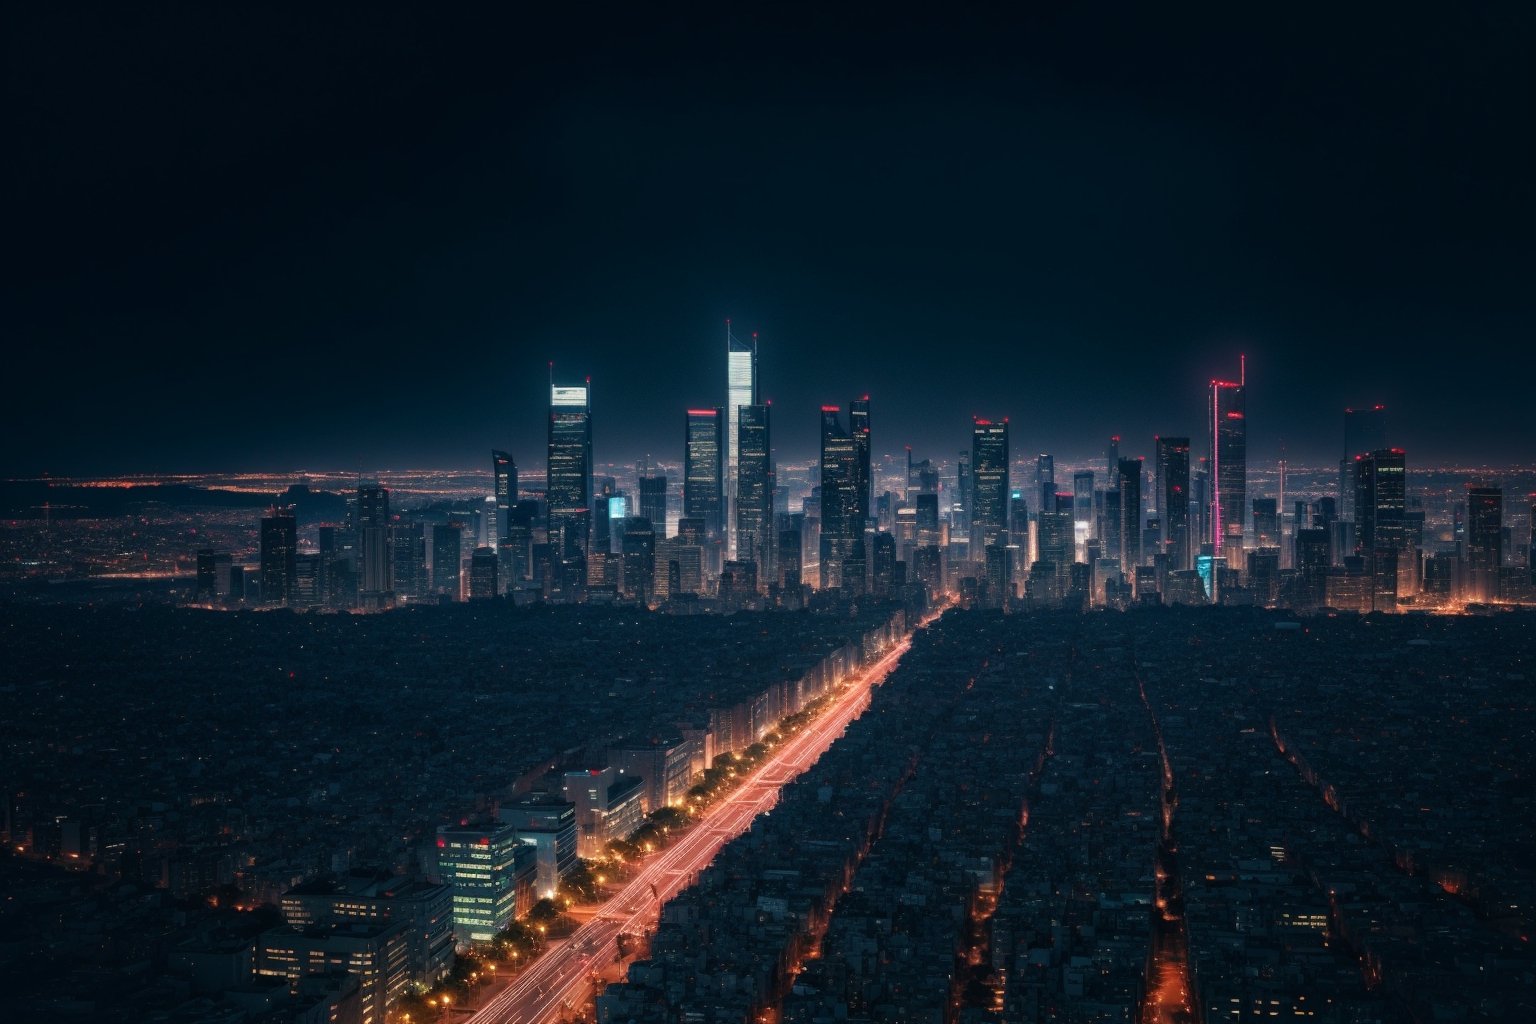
[242, 239]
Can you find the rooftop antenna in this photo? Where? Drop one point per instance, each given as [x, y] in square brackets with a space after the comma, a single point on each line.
[1242, 369]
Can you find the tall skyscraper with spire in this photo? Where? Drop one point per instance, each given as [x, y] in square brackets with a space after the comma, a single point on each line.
[1227, 419]
[740, 392]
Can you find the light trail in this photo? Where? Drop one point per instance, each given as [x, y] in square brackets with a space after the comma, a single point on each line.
[562, 978]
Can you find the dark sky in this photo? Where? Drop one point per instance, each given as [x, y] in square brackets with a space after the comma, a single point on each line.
[245, 239]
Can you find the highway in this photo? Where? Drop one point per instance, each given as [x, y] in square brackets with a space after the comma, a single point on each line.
[561, 980]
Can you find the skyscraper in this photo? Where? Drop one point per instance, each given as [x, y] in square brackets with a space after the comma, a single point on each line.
[754, 490]
[858, 426]
[1228, 422]
[373, 542]
[740, 392]
[653, 503]
[279, 553]
[1129, 481]
[1173, 499]
[569, 484]
[447, 558]
[1485, 542]
[504, 473]
[483, 574]
[1045, 481]
[1112, 457]
[1082, 512]
[989, 484]
[840, 522]
[704, 450]
[1365, 430]
[1381, 506]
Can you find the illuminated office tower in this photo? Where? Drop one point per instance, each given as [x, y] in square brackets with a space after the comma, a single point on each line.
[447, 559]
[1112, 457]
[704, 450]
[1228, 423]
[1173, 501]
[279, 557]
[989, 484]
[1082, 512]
[842, 522]
[1365, 430]
[740, 392]
[1381, 507]
[1045, 481]
[965, 496]
[504, 471]
[754, 490]
[373, 543]
[488, 866]
[858, 427]
[1485, 542]
[1129, 485]
[568, 489]
[653, 503]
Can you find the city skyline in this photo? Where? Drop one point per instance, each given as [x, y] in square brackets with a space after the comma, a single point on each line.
[566, 515]
[1050, 216]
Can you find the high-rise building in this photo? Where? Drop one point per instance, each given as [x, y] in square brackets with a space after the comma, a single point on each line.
[482, 574]
[840, 525]
[1112, 457]
[1045, 480]
[568, 490]
[1365, 430]
[754, 487]
[1266, 523]
[504, 473]
[1173, 501]
[1381, 505]
[740, 393]
[1082, 512]
[491, 871]
[638, 549]
[372, 521]
[1485, 542]
[408, 561]
[447, 547]
[279, 553]
[1129, 481]
[653, 503]
[858, 427]
[704, 450]
[1228, 425]
[989, 483]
